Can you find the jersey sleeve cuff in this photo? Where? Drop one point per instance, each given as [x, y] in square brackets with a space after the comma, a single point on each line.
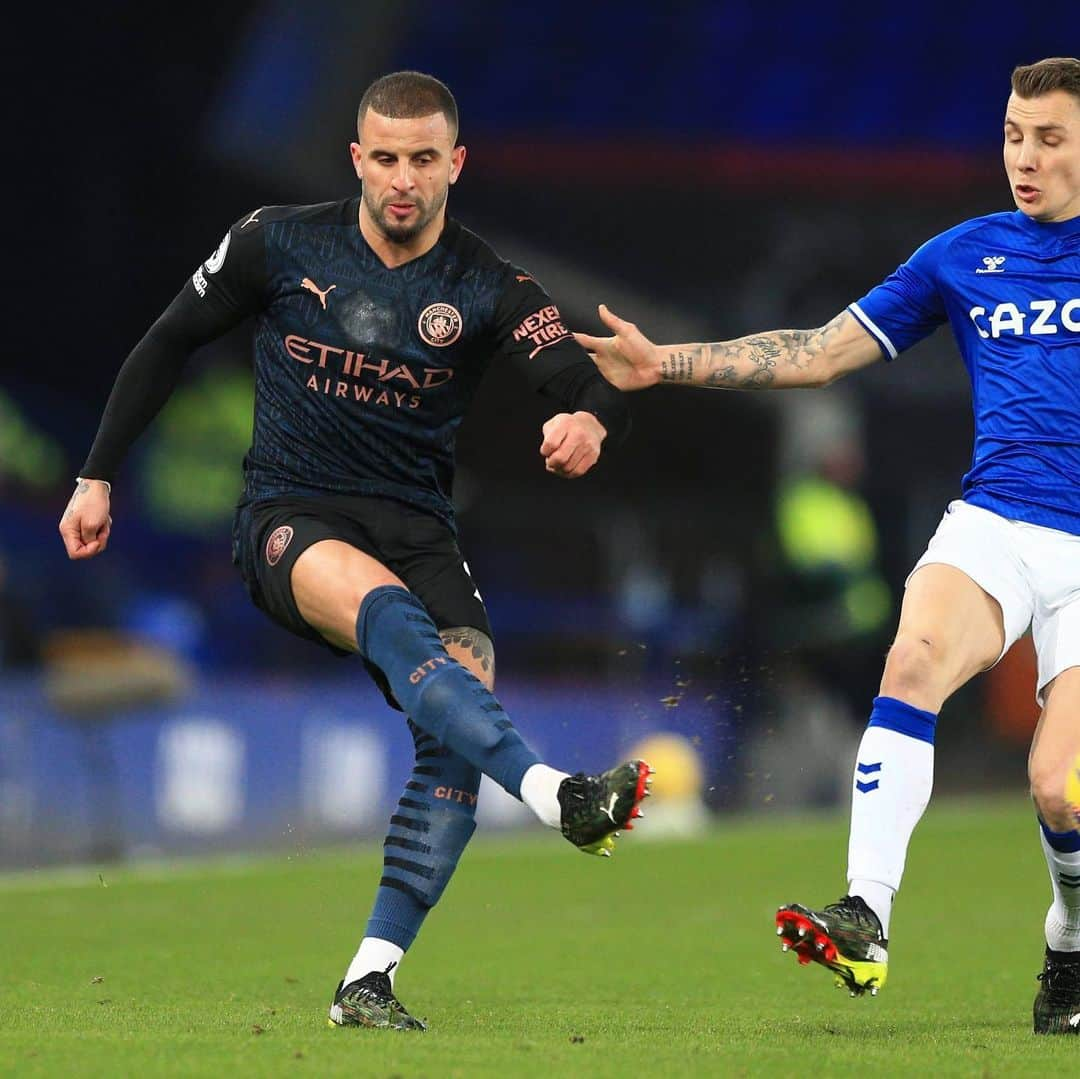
[94, 479]
[874, 330]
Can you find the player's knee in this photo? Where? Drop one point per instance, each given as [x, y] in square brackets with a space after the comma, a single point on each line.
[1047, 779]
[916, 664]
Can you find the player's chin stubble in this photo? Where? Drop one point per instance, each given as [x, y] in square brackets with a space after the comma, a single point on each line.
[402, 234]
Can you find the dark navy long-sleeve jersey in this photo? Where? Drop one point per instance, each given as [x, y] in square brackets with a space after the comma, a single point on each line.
[363, 373]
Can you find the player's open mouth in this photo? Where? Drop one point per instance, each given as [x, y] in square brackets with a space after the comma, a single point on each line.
[1027, 192]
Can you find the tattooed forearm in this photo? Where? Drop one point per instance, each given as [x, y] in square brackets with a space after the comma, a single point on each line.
[725, 378]
[780, 358]
[678, 365]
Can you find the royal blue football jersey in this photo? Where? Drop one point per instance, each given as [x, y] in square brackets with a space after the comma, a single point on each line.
[1010, 288]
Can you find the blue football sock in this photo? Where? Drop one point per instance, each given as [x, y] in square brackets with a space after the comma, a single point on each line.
[435, 819]
[397, 635]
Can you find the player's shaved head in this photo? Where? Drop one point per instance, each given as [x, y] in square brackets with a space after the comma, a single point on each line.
[405, 95]
[1046, 76]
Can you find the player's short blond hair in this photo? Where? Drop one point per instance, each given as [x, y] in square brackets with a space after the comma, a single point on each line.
[1046, 76]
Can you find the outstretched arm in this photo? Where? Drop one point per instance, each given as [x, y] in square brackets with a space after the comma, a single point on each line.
[777, 359]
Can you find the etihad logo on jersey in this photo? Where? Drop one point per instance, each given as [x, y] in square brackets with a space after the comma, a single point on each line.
[992, 264]
[543, 328]
[1041, 319]
[339, 364]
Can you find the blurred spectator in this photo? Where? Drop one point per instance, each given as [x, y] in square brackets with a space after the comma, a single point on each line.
[831, 611]
[835, 606]
[20, 643]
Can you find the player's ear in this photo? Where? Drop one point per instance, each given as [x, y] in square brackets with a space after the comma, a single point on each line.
[457, 162]
[357, 156]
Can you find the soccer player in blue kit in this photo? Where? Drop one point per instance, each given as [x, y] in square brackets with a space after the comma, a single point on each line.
[375, 319]
[1005, 556]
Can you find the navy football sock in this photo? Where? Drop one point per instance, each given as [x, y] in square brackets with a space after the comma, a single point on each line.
[435, 819]
[395, 632]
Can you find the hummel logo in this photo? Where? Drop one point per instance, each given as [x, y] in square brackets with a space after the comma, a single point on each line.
[992, 264]
[321, 293]
[254, 218]
[610, 808]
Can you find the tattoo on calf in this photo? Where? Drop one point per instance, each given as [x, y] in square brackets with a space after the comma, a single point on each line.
[477, 644]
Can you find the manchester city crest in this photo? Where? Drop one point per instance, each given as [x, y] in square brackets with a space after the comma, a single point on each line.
[276, 544]
[439, 325]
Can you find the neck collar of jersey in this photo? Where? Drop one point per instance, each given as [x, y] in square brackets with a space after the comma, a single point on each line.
[1071, 227]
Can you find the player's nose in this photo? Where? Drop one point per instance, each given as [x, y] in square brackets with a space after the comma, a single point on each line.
[1027, 158]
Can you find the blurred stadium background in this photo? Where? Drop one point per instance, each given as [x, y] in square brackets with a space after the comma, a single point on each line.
[730, 576]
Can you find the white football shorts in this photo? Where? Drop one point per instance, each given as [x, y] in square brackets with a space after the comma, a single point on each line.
[1033, 572]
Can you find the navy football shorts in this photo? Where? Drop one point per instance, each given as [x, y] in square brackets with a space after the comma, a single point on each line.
[269, 536]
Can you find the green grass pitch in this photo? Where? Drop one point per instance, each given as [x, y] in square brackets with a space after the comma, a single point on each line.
[660, 961]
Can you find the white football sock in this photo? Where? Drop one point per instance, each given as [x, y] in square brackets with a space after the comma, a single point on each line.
[894, 775]
[374, 954]
[540, 792]
[1063, 917]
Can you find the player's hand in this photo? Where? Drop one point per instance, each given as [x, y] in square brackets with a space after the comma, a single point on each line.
[86, 523]
[571, 443]
[629, 360]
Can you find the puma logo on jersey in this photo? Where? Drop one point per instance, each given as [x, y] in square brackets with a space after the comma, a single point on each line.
[522, 277]
[1008, 318]
[610, 808]
[321, 293]
[254, 218]
[992, 264]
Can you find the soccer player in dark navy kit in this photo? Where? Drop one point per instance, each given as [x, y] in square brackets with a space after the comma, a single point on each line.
[1006, 554]
[375, 319]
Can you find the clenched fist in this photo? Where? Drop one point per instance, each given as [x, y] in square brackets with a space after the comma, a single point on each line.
[86, 523]
[571, 444]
